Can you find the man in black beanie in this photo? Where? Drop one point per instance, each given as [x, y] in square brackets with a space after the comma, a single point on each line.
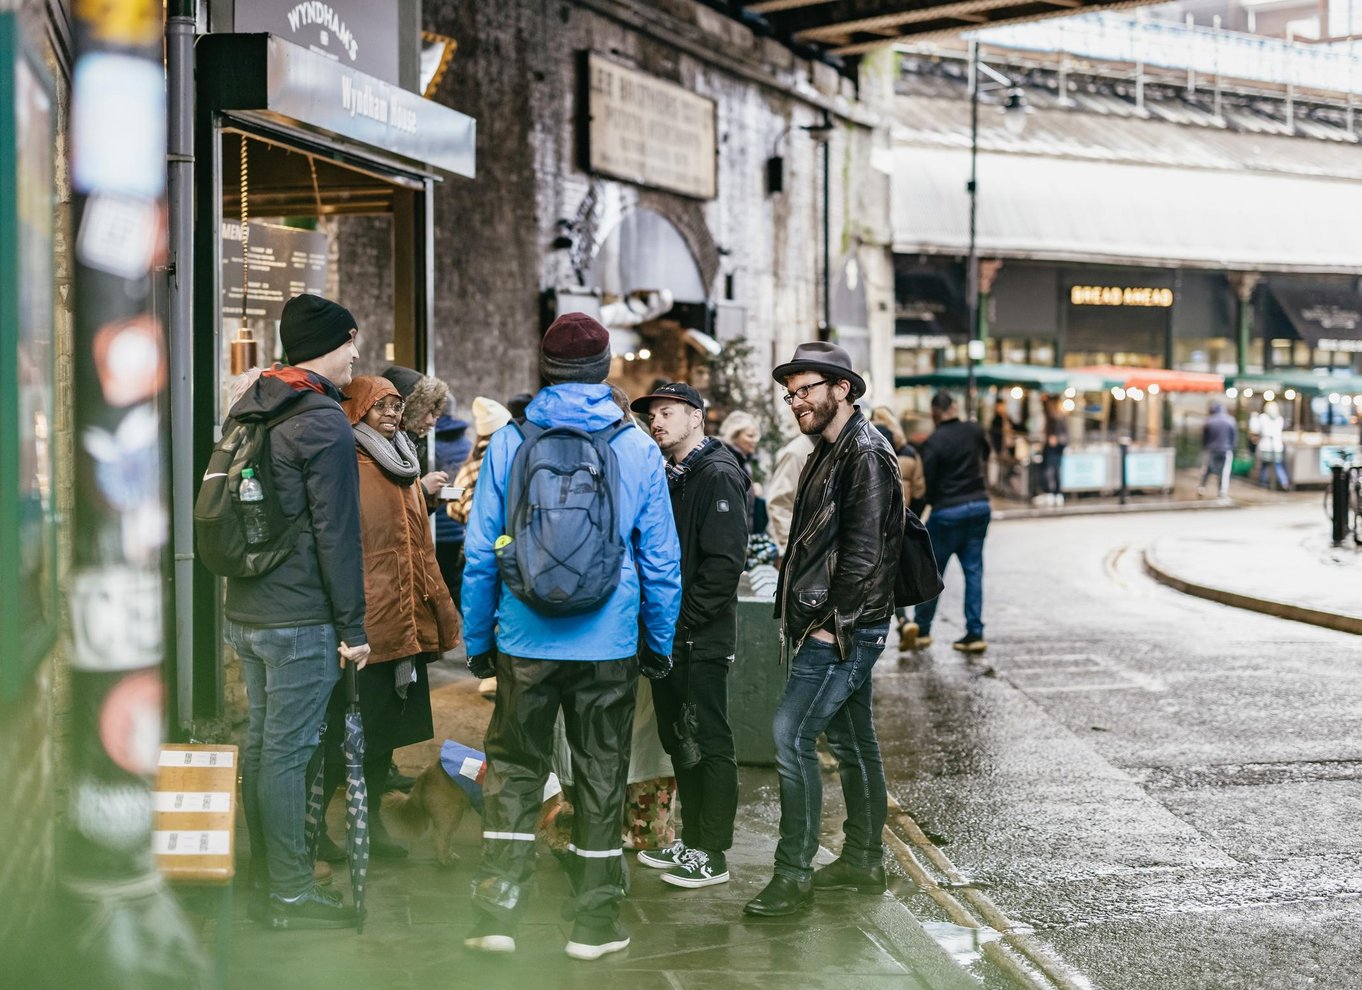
[295, 626]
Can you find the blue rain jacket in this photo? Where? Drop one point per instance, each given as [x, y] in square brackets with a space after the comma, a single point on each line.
[650, 584]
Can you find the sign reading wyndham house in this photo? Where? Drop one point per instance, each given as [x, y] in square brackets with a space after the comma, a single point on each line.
[359, 34]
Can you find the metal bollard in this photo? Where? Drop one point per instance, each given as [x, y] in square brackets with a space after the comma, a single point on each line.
[1125, 450]
[1340, 503]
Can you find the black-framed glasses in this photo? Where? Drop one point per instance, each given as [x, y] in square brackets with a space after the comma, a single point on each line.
[802, 392]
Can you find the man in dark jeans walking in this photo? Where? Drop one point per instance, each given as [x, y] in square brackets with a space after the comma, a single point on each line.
[709, 498]
[954, 459]
[834, 600]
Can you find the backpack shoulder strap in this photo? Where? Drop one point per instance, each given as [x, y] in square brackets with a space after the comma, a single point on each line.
[310, 400]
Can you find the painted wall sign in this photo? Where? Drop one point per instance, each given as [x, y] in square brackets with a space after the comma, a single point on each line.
[1120, 295]
[649, 131]
[358, 34]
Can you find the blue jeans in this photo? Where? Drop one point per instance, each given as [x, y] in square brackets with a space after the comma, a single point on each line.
[827, 694]
[289, 674]
[959, 531]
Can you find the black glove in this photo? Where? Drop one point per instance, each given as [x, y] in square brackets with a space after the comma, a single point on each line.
[653, 665]
[483, 664]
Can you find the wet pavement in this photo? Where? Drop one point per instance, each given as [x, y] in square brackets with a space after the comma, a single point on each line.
[1162, 791]
[1133, 788]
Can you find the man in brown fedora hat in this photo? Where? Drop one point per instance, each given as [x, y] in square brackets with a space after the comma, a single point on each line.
[835, 600]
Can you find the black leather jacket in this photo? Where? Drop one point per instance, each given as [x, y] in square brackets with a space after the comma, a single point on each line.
[844, 538]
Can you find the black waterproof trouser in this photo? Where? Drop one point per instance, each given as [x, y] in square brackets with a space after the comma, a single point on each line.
[597, 700]
[708, 790]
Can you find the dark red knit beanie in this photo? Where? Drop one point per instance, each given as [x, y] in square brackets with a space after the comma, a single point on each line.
[575, 348]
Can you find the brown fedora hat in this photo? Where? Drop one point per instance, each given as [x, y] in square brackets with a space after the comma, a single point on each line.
[819, 355]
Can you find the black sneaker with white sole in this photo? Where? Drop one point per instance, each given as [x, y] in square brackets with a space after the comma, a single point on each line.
[698, 869]
[593, 940]
[971, 644]
[314, 908]
[664, 858]
[490, 935]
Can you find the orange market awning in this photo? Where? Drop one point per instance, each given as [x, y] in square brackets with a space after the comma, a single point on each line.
[1167, 380]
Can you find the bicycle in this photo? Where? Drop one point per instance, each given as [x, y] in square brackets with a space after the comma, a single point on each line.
[1354, 472]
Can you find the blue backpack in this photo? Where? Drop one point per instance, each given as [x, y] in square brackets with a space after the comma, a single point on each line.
[562, 552]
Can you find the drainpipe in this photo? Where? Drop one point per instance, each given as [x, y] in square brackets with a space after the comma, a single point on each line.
[180, 210]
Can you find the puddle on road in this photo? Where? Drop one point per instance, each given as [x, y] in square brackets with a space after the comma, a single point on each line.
[963, 945]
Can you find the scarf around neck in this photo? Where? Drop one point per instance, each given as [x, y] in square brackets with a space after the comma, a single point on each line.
[676, 473]
[397, 457]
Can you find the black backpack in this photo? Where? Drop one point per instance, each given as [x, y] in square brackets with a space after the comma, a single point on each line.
[562, 552]
[918, 579]
[219, 531]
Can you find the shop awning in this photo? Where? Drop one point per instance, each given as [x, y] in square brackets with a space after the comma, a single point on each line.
[991, 375]
[1327, 317]
[1305, 382]
[1073, 209]
[1164, 379]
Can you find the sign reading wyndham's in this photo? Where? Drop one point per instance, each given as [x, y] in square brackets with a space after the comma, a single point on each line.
[359, 34]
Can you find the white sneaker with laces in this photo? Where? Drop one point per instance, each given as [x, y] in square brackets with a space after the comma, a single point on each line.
[664, 858]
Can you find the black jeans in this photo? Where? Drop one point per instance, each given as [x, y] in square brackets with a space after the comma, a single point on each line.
[708, 790]
[597, 699]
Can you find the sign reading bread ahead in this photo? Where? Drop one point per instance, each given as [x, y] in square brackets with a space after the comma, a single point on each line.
[358, 34]
[648, 131]
[1120, 295]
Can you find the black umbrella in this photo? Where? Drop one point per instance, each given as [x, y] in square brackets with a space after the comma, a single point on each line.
[315, 810]
[356, 794]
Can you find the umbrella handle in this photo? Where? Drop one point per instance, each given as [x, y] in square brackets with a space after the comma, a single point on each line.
[351, 683]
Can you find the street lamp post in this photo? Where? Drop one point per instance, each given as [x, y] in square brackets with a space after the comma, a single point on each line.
[1014, 111]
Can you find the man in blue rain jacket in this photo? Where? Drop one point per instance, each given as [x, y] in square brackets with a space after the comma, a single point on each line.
[587, 664]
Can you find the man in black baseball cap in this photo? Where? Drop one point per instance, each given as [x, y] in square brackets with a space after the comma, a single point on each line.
[709, 504]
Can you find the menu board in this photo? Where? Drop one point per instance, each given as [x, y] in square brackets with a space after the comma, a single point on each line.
[284, 262]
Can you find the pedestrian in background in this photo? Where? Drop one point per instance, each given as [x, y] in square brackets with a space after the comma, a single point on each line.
[784, 485]
[584, 663]
[910, 462]
[834, 601]
[411, 619]
[452, 447]
[954, 459]
[1271, 447]
[708, 489]
[1219, 436]
[294, 627]
[489, 415]
[423, 398]
[1052, 454]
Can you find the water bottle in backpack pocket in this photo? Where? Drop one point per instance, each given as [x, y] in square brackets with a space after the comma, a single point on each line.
[562, 551]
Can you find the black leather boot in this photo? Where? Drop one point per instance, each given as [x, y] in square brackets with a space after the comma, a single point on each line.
[782, 896]
[841, 875]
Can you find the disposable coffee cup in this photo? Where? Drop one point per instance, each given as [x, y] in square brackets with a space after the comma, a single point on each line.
[449, 493]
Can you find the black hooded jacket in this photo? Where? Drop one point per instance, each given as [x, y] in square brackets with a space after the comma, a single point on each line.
[315, 471]
[709, 505]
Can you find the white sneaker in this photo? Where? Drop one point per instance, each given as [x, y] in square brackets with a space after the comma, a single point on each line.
[590, 943]
[665, 858]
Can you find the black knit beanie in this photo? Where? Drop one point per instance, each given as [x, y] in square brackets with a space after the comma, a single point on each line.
[312, 326]
[575, 348]
[404, 380]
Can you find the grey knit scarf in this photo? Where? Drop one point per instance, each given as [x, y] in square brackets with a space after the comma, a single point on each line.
[397, 456]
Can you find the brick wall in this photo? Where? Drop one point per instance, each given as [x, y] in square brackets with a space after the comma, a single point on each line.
[517, 72]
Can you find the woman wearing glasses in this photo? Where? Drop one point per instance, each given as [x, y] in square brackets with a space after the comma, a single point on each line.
[409, 615]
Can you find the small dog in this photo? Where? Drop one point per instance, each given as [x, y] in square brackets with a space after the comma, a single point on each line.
[436, 800]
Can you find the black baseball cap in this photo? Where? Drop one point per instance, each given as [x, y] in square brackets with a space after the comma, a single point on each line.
[676, 391]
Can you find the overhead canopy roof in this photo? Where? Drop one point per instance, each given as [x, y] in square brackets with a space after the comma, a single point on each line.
[989, 375]
[1044, 207]
[1161, 379]
[1305, 382]
[1327, 317]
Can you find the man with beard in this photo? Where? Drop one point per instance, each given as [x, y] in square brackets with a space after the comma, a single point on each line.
[835, 600]
[709, 504]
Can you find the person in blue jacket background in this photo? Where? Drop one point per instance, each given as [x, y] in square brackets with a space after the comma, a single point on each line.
[452, 447]
[587, 664]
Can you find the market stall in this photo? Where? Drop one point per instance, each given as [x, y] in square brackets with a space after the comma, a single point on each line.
[1320, 410]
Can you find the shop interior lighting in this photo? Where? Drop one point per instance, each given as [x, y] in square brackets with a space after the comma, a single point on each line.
[1357, 400]
[1248, 393]
[1346, 400]
[630, 356]
[644, 354]
[1069, 393]
[1269, 395]
[1017, 392]
[1153, 388]
[1333, 398]
[1068, 405]
[1289, 394]
[1118, 392]
[1135, 393]
[1231, 392]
